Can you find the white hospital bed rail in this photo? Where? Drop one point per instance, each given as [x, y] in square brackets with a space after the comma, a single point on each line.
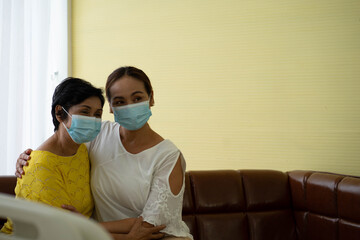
[42, 222]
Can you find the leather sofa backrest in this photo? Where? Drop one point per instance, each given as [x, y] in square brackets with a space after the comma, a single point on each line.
[7, 186]
[266, 204]
[326, 205]
[246, 204]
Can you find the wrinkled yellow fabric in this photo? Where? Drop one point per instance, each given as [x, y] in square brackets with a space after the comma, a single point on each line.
[56, 180]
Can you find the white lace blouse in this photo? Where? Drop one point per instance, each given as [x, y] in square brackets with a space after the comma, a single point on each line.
[126, 185]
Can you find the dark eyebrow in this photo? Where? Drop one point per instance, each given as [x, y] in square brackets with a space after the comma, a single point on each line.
[121, 97]
[88, 107]
[136, 93]
[118, 97]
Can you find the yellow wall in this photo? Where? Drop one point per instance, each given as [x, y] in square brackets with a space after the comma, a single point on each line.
[238, 83]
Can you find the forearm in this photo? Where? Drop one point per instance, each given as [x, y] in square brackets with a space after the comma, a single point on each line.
[138, 229]
[119, 226]
[120, 236]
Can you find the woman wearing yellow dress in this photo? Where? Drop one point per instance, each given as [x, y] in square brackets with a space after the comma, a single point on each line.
[60, 171]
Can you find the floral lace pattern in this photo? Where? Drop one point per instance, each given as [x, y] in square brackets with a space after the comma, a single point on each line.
[56, 180]
[165, 208]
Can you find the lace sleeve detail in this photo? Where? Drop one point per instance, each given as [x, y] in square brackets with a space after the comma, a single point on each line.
[162, 206]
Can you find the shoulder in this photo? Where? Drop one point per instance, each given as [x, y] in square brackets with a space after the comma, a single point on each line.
[82, 152]
[163, 150]
[42, 166]
[108, 130]
[169, 150]
[168, 146]
[48, 145]
[82, 149]
[168, 153]
[41, 157]
[108, 125]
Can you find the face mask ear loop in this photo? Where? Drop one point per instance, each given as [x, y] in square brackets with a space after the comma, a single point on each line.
[66, 112]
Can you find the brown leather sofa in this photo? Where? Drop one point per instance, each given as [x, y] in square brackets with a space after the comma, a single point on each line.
[267, 205]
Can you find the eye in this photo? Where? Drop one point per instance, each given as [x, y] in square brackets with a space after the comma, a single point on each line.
[85, 112]
[118, 103]
[98, 114]
[137, 99]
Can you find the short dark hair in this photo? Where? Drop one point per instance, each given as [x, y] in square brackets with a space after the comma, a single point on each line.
[72, 91]
[127, 71]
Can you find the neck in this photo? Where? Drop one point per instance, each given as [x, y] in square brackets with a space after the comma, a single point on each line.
[137, 135]
[66, 146]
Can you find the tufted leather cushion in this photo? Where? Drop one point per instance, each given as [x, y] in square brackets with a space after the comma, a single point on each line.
[326, 205]
[247, 204]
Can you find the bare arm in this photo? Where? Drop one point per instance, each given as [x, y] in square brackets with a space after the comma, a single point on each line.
[128, 229]
[119, 226]
[176, 178]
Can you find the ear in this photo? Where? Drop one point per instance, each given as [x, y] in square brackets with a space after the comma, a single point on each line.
[58, 112]
[152, 101]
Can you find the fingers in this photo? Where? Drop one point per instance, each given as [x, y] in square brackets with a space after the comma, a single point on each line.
[135, 229]
[157, 228]
[154, 232]
[18, 171]
[19, 167]
[138, 222]
[17, 174]
[22, 161]
[70, 208]
[28, 151]
[139, 231]
[157, 235]
[151, 228]
[67, 207]
[24, 157]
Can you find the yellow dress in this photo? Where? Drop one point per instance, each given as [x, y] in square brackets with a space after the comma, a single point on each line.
[56, 180]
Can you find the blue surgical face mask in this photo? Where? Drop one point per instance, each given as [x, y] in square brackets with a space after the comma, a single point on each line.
[83, 129]
[132, 116]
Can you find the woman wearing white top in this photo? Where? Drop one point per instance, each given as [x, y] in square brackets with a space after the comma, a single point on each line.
[134, 171]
